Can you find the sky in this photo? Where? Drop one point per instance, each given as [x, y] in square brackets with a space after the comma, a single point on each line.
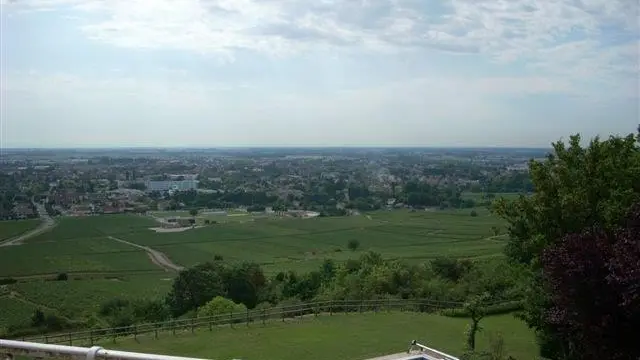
[207, 73]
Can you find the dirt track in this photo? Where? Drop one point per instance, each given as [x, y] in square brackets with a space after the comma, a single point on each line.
[156, 256]
[47, 224]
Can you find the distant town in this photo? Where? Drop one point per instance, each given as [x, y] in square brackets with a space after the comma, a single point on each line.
[291, 181]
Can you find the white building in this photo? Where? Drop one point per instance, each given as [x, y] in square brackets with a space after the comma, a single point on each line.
[177, 185]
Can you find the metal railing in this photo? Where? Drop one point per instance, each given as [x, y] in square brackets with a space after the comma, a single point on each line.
[431, 353]
[11, 348]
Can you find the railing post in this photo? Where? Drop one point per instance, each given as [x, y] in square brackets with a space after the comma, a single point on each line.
[193, 325]
[135, 332]
[330, 307]
[231, 318]
[211, 323]
[155, 332]
[264, 316]
[91, 337]
[173, 327]
[70, 341]
[247, 317]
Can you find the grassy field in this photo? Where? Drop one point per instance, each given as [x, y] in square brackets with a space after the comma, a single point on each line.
[342, 336]
[15, 312]
[12, 228]
[302, 244]
[80, 246]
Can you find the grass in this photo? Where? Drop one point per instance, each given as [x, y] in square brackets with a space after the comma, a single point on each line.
[12, 228]
[341, 336]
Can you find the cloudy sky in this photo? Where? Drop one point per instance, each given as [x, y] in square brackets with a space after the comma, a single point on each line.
[322, 72]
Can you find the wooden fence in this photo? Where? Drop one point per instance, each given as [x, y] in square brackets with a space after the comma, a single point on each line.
[256, 316]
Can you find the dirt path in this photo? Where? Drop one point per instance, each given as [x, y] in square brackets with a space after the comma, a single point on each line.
[156, 256]
[47, 224]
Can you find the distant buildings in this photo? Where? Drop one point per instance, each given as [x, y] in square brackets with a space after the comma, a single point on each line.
[168, 185]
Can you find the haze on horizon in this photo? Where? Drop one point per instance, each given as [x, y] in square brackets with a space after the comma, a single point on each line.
[217, 73]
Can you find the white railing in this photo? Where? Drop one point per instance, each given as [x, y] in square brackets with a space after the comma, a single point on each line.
[9, 349]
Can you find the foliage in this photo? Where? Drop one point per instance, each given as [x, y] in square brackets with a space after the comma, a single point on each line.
[593, 279]
[62, 277]
[450, 268]
[220, 306]
[576, 188]
[475, 307]
[195, 286]
[353, 244]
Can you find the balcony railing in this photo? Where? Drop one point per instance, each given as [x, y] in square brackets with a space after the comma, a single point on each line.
[9, 349]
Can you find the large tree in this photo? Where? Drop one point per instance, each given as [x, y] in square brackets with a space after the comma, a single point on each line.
[576, 188]
[594, 281]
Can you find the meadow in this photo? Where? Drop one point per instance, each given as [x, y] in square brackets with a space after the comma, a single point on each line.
[100, 268]
[341, 336]
[12, 228]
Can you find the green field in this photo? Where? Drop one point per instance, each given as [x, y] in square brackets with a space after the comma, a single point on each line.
[12, 228]
[15, 311]
[81, 247]
[341, 336]
[302, 244]
[74, 297]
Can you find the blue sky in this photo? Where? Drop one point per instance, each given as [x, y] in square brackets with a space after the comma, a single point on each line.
[326, 72]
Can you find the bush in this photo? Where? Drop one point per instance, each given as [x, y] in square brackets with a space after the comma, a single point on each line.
[497, 309]
[62, 277]
[220, 306]
[8, 281]
[473, 213]
[353, 244]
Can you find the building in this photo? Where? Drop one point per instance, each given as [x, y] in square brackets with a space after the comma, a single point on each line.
[175, 185]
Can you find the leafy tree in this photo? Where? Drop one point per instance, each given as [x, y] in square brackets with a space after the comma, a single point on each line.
[220, 306]
[353, 244]
[62, 277]
[195, 286]
[450, 268]
[244, 283]
[473, 213]
[495, 230]
[475, 308]
[593, 279]
[193, 212]
[575, 188]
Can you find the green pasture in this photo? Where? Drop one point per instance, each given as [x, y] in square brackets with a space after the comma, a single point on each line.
[12, 228]
[15, 312]
[341, 337]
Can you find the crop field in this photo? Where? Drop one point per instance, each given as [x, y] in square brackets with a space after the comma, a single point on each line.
[81, 247]
[15, 312]
[302, 244]
[13, 228]
[74, 297]
[341, 337]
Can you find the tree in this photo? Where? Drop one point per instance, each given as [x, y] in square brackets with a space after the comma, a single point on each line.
[575, 189]
[473, 213]
[594, 279]
[495, 230]
[193, 212]
[195, 286]
[475, 308]
[38, 318]
[220, 306]
[353, 244]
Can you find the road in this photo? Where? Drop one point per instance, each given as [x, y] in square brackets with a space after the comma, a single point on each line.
[156, 256]
[47, 224]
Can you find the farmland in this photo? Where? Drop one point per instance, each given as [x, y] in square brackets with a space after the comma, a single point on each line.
[338, 337]
[101, 268]
[13, 228]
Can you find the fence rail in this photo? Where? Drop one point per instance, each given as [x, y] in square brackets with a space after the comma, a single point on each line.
[35, 350]
[281, 313]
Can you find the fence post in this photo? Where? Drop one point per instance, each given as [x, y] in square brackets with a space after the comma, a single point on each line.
[155, 332]
[173, 327]
[70, 341]
[361, 302]
[264, 316]
[211, 324]
[247, 317]
[193, 325]
[46, 339]
[330, 307]
[231, 318]
[315, 309]
[91, 337]
[135, 332]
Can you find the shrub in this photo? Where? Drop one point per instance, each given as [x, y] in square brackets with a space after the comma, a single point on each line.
[473, 213]
[8, 281]
[496, 309]
[220, 306]
[353, 244]
[62, 277]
